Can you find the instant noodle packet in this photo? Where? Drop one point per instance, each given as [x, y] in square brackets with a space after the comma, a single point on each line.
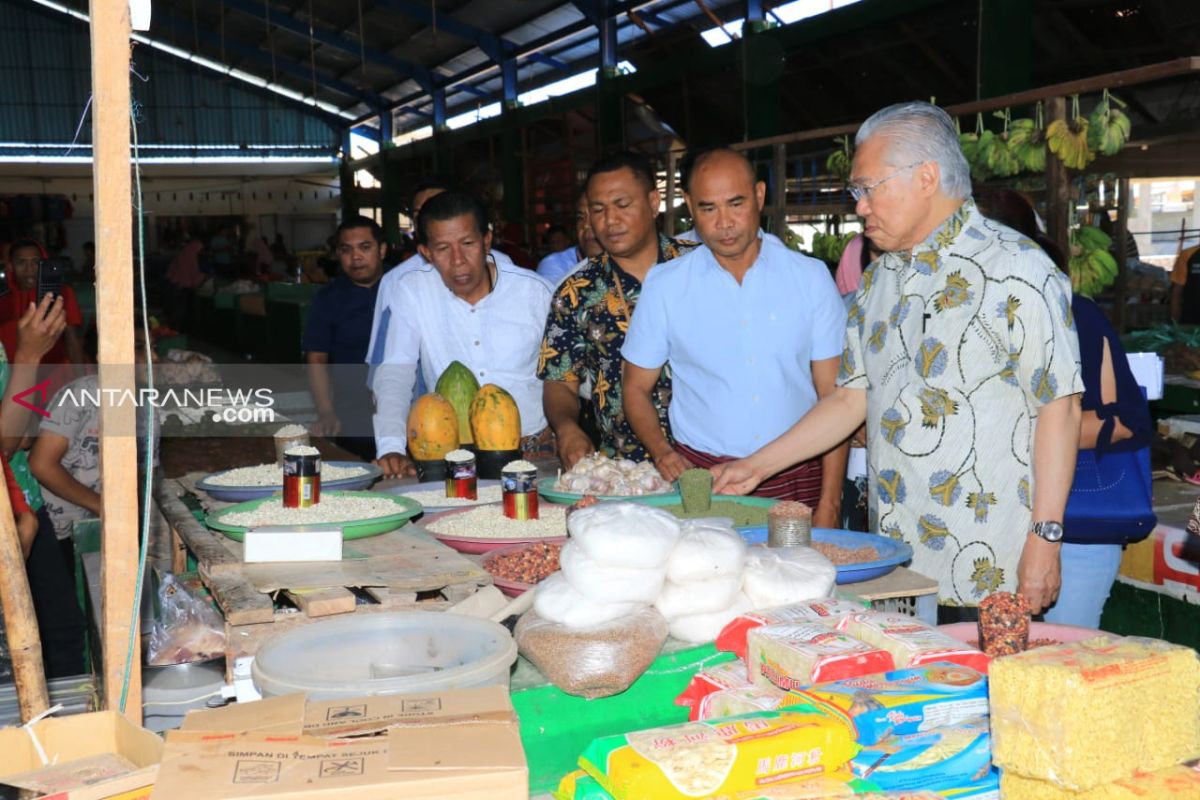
[940, 759]
[910, 641]
[732, 638]
[907, 700]
[797, 656]
[730, 675]
[721, 757]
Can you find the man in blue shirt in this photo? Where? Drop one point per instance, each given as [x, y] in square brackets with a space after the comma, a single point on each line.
[753, 333]
[559, 265]
[339, 331]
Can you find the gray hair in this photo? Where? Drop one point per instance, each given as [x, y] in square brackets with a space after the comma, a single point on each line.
[921, 132]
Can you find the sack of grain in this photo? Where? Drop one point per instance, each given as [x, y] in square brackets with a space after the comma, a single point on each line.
[556, 600]
[699, 597]
[707, 548]
[605, 584]
[625, 534]
[700, 628]
[785, 575]
[596, 661]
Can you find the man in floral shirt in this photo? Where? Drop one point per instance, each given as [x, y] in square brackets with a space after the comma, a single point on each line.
[590, 313]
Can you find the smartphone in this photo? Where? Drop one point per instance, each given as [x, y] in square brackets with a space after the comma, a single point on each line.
[51, 273]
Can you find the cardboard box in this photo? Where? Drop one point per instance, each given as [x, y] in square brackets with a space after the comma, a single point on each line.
[463, 744]
[98, 756]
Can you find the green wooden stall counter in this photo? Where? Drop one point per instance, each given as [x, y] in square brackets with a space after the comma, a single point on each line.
[556, 727]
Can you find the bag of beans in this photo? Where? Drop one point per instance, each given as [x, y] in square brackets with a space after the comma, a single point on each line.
[596, 661]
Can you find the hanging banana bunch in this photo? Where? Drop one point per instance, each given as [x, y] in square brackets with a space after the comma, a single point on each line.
[1069, 140]
[1027, 141]
[974, 146]
[1092, 267]
[997, 152]
[1108, 126]
[839, 162]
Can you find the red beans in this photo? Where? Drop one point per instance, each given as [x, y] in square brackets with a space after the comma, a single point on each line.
[527, 565]
[1004, 624]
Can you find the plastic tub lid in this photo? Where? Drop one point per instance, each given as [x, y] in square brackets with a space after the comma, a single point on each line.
[385, 653]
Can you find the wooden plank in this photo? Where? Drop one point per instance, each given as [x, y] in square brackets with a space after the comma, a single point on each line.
[900, 582]
[110, 47]
[391, 598]
[240, 602]
[210, 549]
[396, 572]
[323, 602]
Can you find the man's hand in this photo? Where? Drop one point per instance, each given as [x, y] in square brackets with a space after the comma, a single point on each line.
[735, 477]
[27, 528]
[671, 465]
[39, 329]
[395, 465]
[573, 444]
[1039, 573]
[827, 515]
[327, 424]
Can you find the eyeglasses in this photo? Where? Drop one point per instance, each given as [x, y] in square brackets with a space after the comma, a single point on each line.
[862, 191]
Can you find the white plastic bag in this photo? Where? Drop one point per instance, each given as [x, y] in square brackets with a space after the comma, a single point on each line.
[598, 661]
[698, 597]
[697, 628]
[557, 601]
[785, 575]
[609, 584]
[625, 534]
[707, 548]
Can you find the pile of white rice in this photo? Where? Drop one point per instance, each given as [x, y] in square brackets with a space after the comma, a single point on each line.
[489, 522]
[436, 498]
[332, 508]
[272, 475]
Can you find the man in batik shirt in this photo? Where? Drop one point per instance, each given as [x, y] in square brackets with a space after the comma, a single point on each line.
[962, 357]
[590, 312]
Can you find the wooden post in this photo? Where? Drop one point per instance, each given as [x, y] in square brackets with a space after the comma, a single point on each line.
[1121, 234]
[1058, 187]
[114, 322]
[20, 620]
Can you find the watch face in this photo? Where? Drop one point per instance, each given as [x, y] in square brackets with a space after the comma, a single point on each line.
[1050, 531]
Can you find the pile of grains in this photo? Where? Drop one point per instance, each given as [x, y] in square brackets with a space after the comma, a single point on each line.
[528, 565]
[460, 455]
[695, 489]
[841, 556]
[742, 515]
[520, 465]
[302, 450]
[1004, 624]
[436, 498]
[332, 508]
[489, 522]
[272, 475]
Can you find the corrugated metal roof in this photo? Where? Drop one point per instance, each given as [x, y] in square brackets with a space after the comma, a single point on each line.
[47, 83]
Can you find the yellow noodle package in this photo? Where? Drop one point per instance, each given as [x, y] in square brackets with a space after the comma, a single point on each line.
[722, 757]
[1095, 712]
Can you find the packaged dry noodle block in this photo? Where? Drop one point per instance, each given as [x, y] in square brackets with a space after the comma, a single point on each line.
[1173, 783]
[830, 612]
[721, 757]
[797, 656]
[728, 675]
[937, 759]
[907, 700]
[1089, 713]
[910, 641]
[986, 788]
[743, 700]
[579, 785]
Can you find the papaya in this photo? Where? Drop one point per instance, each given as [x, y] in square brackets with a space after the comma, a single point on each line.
[458, 385]
[432, 428]
[495, 419]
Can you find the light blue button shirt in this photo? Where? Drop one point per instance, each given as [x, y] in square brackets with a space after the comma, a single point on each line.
[740, 355]
[557, 266]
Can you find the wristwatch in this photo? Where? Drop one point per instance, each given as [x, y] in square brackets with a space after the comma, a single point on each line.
[1050, 531]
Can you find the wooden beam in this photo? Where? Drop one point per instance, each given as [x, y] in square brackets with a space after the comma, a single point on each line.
[114, 322]
[1121, 232]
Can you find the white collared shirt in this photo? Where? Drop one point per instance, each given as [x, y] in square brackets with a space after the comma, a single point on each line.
[498, 339]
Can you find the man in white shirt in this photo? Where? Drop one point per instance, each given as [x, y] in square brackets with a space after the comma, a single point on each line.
[462, 304]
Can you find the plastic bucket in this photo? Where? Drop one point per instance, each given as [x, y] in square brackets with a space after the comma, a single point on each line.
[398, 653]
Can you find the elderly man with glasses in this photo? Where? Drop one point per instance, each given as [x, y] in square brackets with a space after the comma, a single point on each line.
[962, 358]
